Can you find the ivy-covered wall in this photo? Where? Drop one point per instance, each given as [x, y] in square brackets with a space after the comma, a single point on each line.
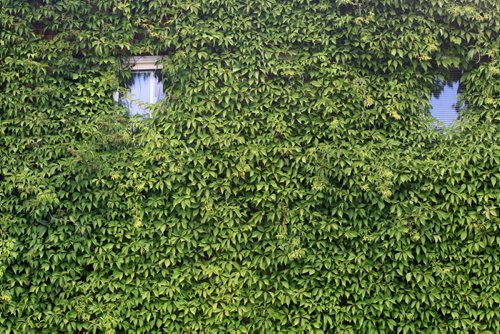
[291, 181]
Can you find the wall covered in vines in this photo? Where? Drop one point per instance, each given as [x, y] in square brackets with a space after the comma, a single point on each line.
[292, 180]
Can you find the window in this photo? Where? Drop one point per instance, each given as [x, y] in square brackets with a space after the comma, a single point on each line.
[444, 100]
[145, 87]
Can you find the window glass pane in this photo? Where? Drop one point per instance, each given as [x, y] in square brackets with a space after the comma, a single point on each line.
[444, 100]
[159, 93]
[140, 90]
[146, 87]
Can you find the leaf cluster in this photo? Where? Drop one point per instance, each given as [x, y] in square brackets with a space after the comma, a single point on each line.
[291, 181]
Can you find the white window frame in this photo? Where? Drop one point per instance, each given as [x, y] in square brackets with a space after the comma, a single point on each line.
[145, 63]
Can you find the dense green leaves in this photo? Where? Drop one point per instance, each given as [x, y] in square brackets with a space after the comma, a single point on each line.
[291, 181]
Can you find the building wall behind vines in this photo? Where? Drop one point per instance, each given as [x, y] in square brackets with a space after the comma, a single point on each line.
[292, 180]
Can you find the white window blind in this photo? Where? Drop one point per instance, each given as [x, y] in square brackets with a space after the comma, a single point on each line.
[444, 99]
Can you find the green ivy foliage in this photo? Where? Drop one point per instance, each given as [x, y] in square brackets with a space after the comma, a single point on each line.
[291, 181]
